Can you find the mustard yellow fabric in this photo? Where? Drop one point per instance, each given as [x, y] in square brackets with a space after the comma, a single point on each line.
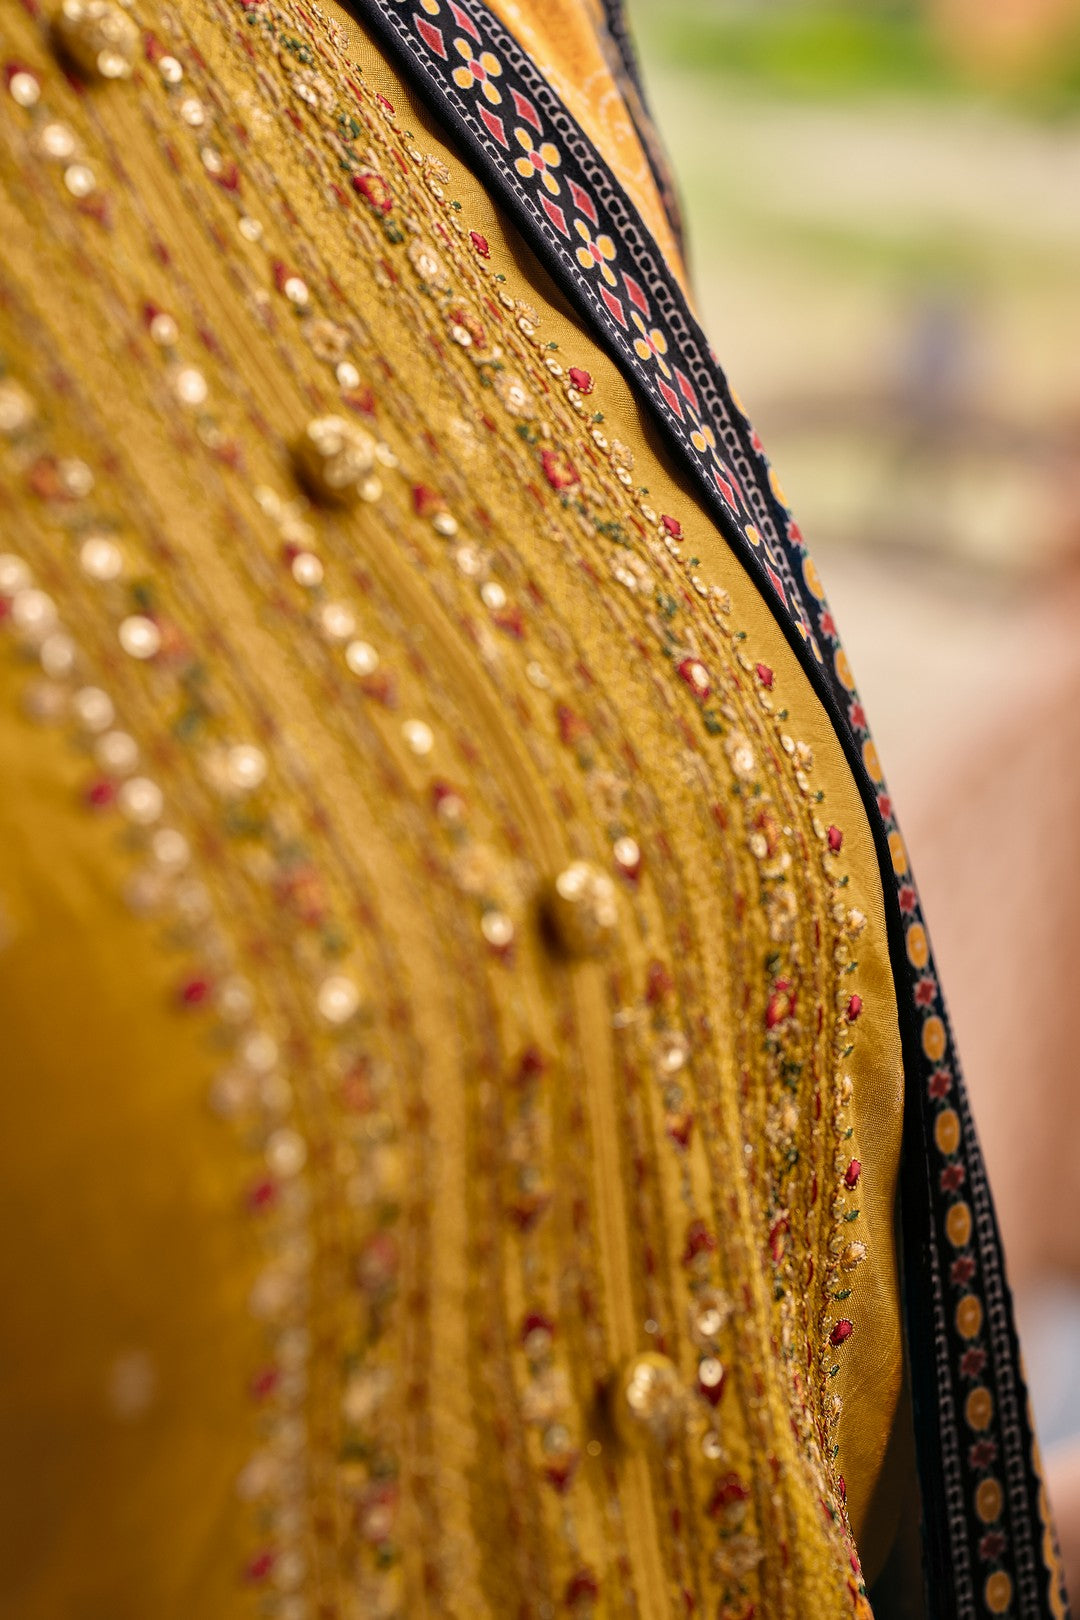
[341, 1187]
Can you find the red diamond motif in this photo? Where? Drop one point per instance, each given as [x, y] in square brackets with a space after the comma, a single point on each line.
[495, 127]
[686, 389]
[637, 293]
[583, 202]
[463, 20]
[725, 489]
[430, 36]
[556, 215]
[670, 396]
[614, 306]
[777, 584]
[526, 110]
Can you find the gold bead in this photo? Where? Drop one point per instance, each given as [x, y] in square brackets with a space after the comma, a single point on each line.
[649, 1400]
[99, 37]
[334, 458]
[581, 910]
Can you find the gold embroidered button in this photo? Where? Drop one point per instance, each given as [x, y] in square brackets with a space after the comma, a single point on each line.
[99, 37]
[335, 459]
[649, 1400]
[581, 910]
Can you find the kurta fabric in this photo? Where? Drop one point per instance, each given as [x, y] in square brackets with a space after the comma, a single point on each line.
[453, 1060]
[969, 1360]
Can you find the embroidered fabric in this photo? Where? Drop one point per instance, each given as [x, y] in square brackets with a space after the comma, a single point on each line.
[972, 1421]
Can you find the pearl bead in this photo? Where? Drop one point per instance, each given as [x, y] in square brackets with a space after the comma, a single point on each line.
[581, 910]
[361, 658]
[100, 558]
[16, 408]
[649, 1399]
[171, 70]
[79, 180]
[710, 1372]
[99, 38]
[259, 1052]
[33, 613]
[14, 574]
[140, 800]
[190, 386]
[338, 999]
[307, 570]
[170, 849]
[140, 637]
[56, 141]
[418, 736]
[334, 458]
[338, 621]
[164, 330]
[672, 1054]
[285, 1152]
[627, 854]
[271, 1294]
[57, 654]
[76, 477]
[117, 753]
[245, 767]
[24, 89]
[497, 929]
[260, 1477]
[93, 708]
[235, 1000]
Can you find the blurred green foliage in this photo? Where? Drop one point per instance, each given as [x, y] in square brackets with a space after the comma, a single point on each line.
[831, 50]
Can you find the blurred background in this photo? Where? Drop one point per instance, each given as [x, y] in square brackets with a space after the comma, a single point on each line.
[883, 203]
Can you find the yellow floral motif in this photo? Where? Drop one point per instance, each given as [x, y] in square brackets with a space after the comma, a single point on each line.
[933, 1039]
[703, 438]
[989, 1501]
[596, 251]
[651, 345]
[918, 946]
[979, 1409]
[999, 1591]
[478, 70]
[958, 1225]
[871, 760]
[969, 1316]
[538, 160]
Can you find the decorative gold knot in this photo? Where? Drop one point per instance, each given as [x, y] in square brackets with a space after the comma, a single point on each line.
[336, 459]
[581, 910]
[98, 37]
[650, 1400]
